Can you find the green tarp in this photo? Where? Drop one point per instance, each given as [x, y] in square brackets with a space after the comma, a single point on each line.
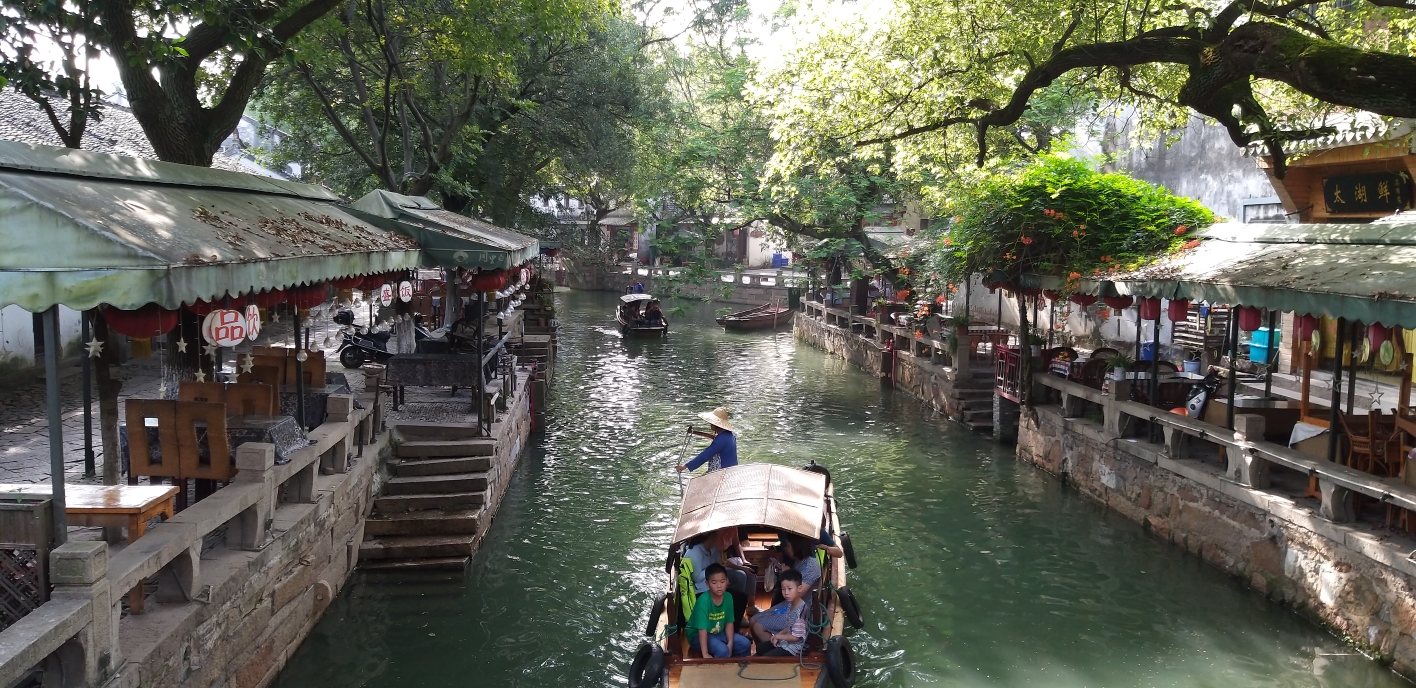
[80, 229]
[449, 240]
[1363, 272]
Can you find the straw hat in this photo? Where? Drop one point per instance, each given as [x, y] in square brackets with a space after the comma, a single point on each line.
[718, 417]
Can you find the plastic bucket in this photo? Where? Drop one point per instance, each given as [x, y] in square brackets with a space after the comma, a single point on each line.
[1192, 366]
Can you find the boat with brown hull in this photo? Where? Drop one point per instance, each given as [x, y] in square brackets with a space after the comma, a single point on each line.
[764, 317]
[631, 316]
[762, 502]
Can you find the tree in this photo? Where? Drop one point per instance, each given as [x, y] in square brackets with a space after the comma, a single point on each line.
[68, 29]
[938, 73]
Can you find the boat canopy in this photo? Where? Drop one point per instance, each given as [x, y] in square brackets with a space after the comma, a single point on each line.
[758, 494]
[631, 298]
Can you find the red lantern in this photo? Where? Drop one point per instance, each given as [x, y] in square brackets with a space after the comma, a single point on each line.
[552, 252]
[371, 283]
[1051, 294]
[1377, 333]
[1083, 300]
[348, 282]
[1306, 325]
[1119, 303]
[269, 299]
[1030, 291]
[1250, 318]
[489, 280]
[149, 321]
[1150, 309]
[201, 307]
[1178, 310]
[308, 297]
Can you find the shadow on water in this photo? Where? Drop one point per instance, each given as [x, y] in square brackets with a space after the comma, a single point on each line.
[975, 570]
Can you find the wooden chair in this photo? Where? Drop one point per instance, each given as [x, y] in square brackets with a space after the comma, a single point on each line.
[1168, 367]
[250, 399]
[140, 460]
[1093, 373]
[192, 417]
[1104, 353]
[1359, 444]
[264, 375]
[210, 392]
[1387, 457]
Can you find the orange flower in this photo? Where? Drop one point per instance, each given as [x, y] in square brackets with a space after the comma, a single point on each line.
[1027, 240]
[948, 241]
[1074, 275]
[1191, 244]
[1179, 230]
[1076, 234]
[919, 335]
[939, 299]
[1106, 259]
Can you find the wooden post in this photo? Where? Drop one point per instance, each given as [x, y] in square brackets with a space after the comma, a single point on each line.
[1336, 396]
[56, 427]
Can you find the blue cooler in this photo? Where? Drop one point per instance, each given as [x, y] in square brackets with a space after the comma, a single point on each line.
[1260, 346]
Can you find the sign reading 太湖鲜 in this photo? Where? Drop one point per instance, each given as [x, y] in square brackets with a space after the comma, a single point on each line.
[1366, 193]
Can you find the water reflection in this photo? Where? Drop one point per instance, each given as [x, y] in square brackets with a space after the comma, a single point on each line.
[975, 571]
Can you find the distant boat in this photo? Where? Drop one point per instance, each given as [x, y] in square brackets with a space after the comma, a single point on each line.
[764, 317]
[630, 315]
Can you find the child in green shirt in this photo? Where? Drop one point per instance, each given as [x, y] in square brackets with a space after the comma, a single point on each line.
[713, 620]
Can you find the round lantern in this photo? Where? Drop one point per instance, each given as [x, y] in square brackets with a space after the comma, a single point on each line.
[1178, 310]
[1306, 325]
[224, 328]
[307, 297]
[1083, 300]
[149, 321]
[1149, 308]
[1119, 303]
[1377, 333]
[1051, 294]
[1250, 318]
[489, 280]
[269, 299]
[201, 307]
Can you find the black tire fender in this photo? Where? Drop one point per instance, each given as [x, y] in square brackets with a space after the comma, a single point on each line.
[847, 549]
[655, 611]
[351, 357]
[850, 607]
[647, 669]
[840, 662]
[818, 468]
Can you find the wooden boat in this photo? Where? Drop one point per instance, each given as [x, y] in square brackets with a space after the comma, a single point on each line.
[764, 317]
[760, 500]
[630, 315]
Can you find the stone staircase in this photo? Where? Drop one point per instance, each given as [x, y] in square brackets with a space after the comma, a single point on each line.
[431, 512]
[975, 402]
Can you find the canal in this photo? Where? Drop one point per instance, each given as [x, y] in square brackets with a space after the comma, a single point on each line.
[975, 570]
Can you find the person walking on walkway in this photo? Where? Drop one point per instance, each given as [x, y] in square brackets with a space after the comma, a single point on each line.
[722, 452]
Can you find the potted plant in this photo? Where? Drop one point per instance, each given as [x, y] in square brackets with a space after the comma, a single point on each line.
[881, 308]
[957, 327]
[1035, 342]
[1118, 363]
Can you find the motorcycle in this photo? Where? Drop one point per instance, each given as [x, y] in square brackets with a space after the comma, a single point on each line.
[359, 346]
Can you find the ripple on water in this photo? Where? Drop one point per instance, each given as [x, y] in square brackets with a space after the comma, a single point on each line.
[975, 571]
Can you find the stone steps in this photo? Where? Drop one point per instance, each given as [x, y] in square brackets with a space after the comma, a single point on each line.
[456, 501]
[405, 547]
[436, 484]
[447, 449]
[427, 522]
[432, 564]
[423, 467]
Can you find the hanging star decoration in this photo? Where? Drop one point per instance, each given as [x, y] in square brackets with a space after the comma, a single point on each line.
[182, 346]
[274, 317]
[210, 350]
[162, 391]
[248, 364]
[201, 376]
[95, 348]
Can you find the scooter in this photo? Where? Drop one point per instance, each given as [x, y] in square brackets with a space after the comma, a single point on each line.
[360, 346]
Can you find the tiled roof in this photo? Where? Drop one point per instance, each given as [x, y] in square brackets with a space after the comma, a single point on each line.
[118, 133]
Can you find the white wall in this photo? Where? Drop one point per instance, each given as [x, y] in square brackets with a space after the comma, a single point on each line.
[17, 335]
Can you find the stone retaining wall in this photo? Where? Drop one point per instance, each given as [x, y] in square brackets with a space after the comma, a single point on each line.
[1350, 577]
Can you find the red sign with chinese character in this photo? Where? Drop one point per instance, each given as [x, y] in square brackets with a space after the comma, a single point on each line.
[405, 291]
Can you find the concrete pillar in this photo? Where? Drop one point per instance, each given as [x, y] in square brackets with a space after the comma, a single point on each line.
[255, 463]
[1115, 421]
[961, 357]
[177, 581]
[1005, 419]
[79, 570]
[1337, 502]
[1244, 466]
[1072, 405]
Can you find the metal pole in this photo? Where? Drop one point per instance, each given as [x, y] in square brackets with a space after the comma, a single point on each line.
[1353, 338]
[1155, 361]
[480, 402]
[1334, 423]
[90, 469]
[1272, 359]
[299, 376]
[1233, 371]
[56, 427]
[1051, 320]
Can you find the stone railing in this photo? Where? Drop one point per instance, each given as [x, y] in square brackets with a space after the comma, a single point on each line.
[781, 278]
[1248, 455]
[76, 635]
[903, 339]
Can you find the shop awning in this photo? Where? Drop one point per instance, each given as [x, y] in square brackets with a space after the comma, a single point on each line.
[80, 228]
[1364, 272]
[449, 240]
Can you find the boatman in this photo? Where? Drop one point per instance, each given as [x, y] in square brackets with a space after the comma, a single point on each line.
[722, 452]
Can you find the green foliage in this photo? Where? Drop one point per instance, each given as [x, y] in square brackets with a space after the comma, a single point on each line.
[1060, 217]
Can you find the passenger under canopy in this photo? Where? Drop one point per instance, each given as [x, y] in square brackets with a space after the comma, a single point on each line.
[759, 494]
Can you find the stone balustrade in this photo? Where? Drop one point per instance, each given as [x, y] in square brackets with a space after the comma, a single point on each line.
[78, 636]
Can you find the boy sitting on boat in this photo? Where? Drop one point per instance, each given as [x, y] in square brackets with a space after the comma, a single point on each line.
[712, 619]
[781, 631]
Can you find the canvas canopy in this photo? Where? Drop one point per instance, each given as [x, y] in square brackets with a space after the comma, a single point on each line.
[80, 229]
[758, 494]
[1362, 272]
[631, 298]
[449, 240]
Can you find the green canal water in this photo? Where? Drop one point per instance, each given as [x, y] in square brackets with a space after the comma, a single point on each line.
[975, 570]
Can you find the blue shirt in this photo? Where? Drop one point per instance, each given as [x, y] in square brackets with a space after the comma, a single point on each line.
[723, 452]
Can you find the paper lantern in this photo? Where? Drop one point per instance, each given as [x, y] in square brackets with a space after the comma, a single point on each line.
[1306, 325]
[307, 297]
[1051, 294]
[269, 299]
[489, 280]
[1178, 310]
[1083, 300]
[348, 282]
[201, 307]
[224, 328]
[1149, 308]
[1250, 318]
[149, 321]
[1377, 333]
[1119, 303]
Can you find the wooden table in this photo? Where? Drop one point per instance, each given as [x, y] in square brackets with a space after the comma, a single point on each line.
[111, 506]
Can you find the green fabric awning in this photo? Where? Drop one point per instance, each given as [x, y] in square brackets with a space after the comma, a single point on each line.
[1363, 272]
[82, 229]
[449, 240]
